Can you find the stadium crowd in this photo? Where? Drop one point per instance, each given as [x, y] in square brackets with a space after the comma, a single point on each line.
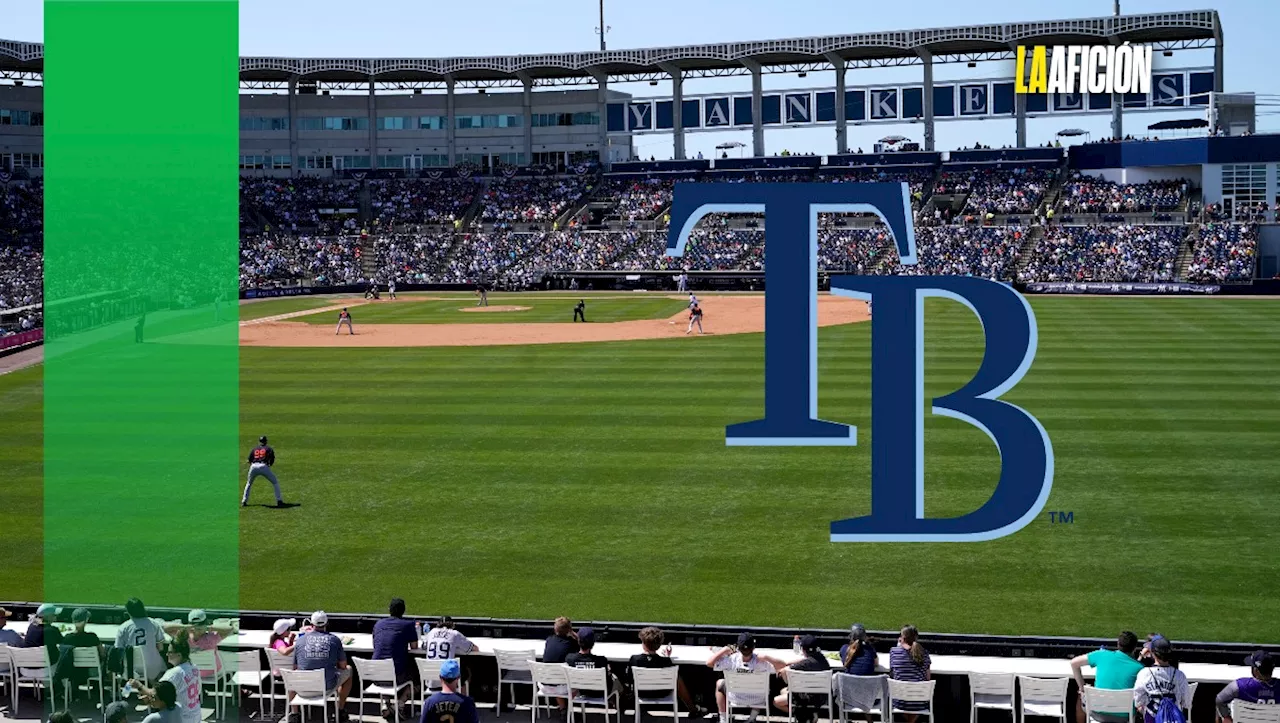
[530, 200]
[1094, 195]
[274, 259]
[396, 202]
[1223, 253]
[997, 190]
[162, 655]
[1105, 253]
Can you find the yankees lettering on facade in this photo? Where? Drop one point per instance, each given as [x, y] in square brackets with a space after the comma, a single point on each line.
[1071, 69]
[897, 360]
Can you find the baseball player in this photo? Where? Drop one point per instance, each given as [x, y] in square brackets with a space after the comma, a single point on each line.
[261, 458]
[483, 293]
[344, 317]
[695, 317]
[580, 311]
[693, 300]
[391, 289]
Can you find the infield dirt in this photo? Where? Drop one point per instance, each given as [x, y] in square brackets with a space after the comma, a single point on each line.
[722, 315]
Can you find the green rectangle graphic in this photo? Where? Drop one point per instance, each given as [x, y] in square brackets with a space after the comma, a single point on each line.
[141, 379]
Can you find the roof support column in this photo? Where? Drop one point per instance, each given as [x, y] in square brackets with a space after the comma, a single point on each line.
[602, 78]
[451, 122]
[295, 163]
[527, 122]
[842, 123]
[757, 121]
[677, 108]
[1117, 108]
[927, 97]
[1218, 50]
[373, 126]
[1019, 106]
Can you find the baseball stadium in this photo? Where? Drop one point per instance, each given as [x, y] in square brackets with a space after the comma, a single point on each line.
[467, 371]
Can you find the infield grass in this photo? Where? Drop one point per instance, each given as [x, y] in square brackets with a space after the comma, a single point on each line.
[592, 480]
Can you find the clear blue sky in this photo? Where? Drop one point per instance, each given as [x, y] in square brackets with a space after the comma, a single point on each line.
[426, 28]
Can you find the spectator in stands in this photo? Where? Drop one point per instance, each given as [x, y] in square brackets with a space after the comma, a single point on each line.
[7, 636]
[164, 706]
[858, 656]
[812, 660]
[62, 716]
[1113, 670]
[1259, 687]
[321, 650]
[908, 661]
[140, 631]
[118, 712]
[557, 650]
[393, 638]
[584, 658]
[741, 658]
[202, 636]
[182, 675]
[655, 655]
[42, 631]
[448, 705]
[1160, 681]
[78, 638]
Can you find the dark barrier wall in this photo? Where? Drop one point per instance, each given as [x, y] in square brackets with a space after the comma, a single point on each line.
[660, 166]
[746, 164]
[1177, 152]
[884, 159]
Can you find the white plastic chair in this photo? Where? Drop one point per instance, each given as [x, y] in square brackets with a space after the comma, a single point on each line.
[1045, 697]
[249, 673]
[845, 686]
[809, 682]
[7, 675]
[744, 690]
[513, 670]
[30, 669]
[584, 684]
[429, 674]
[1107, 702]
[656, 680]
[990, 691]
[1242, 712]
[379, 678]
[277, 661]
[308, 690]
[550, 682]
[213, 675]
[1192, 699]
[903, 691]
[85, 659]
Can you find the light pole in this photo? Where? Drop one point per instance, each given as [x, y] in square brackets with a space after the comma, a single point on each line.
[602, 28]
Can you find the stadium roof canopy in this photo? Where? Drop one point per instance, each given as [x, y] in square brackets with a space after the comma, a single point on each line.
[1167, 31]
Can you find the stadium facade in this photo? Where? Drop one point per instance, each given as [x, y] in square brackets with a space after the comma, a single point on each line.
[325, 114]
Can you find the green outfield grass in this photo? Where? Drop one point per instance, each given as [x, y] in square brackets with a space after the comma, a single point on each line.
[541, 310]
[593, 480]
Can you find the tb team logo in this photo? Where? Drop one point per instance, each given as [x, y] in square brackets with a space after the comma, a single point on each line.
[897, 360]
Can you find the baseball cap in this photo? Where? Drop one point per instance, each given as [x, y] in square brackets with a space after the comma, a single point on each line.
[197, 616]
[5, 613]
[48, 609]
[1261, 659]
[319, 617]
[450, 670]
[117, 710]
[746, 640]
[808, 642]
[80, 615]
[281, 626]
[1161, 647]
[586, 637]
[262, 439]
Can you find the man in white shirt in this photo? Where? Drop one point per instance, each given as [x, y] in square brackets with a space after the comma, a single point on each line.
[444, 643]
[141, 632]
[742, 658]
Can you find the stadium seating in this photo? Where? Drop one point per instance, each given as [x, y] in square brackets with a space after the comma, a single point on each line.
[1105, 253]
[1223, 253]
[1093, 195]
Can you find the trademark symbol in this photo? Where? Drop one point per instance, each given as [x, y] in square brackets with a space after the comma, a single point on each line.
[1062, 518]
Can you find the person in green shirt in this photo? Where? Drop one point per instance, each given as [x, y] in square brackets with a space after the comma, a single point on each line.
[1113, 670]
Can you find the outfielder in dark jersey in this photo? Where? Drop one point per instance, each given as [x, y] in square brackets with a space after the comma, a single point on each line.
[261, 459]
[580, 311]
[695, 318]
[344, 317]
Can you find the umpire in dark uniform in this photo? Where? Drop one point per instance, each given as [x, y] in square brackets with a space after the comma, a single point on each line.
[580, 311]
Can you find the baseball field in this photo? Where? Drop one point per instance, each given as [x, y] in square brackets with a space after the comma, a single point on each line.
[591, 478]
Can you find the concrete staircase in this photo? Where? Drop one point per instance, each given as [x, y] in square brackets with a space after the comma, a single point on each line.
[1028, 250]
[1186, 254]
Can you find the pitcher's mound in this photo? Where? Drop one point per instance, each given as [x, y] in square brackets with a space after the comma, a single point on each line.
[496, 308]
